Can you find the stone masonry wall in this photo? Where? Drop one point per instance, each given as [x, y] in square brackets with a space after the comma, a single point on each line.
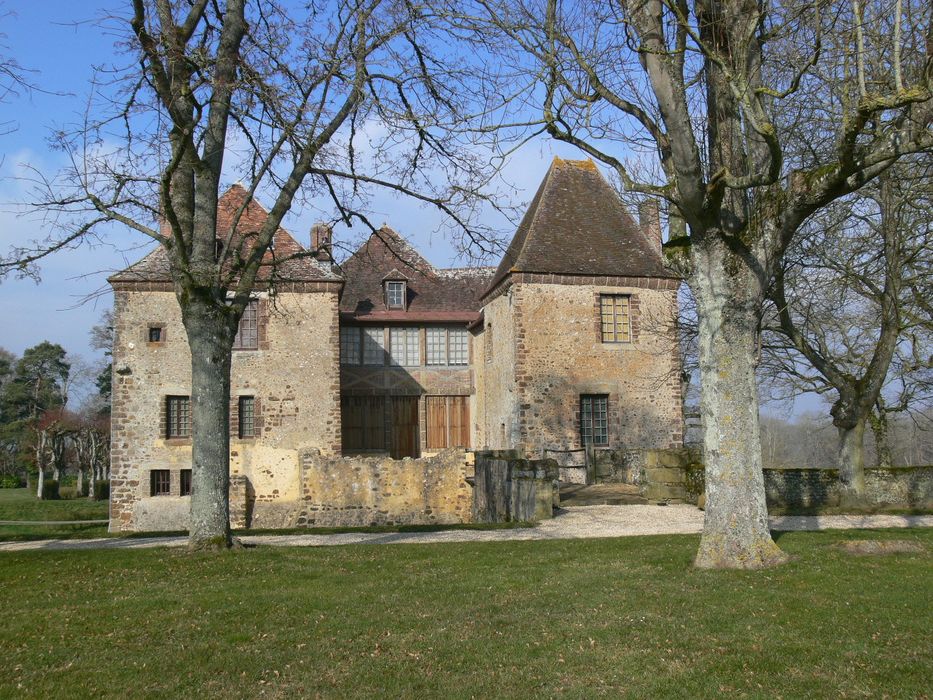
[294, 377]
[361, 491]
[679, 475]
[559, 356]
[496, 407]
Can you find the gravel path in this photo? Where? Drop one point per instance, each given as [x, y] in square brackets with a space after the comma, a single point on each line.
[571, 523]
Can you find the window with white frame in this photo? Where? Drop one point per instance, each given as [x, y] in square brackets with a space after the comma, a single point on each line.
[405, 346]
[395, 295]
[447, 346]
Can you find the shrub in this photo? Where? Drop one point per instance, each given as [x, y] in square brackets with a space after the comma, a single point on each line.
[50, 490]
[101, 490]
[10, 481]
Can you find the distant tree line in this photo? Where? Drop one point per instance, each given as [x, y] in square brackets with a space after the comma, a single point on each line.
[42, 440]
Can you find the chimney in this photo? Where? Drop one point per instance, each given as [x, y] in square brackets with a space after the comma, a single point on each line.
[649, 220]
[321, 242]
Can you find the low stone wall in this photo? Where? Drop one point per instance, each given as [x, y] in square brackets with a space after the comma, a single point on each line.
[361, 491]
[679, 475]
[509, 488]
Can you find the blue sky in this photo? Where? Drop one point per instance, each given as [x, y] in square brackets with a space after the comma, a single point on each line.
[61, 43]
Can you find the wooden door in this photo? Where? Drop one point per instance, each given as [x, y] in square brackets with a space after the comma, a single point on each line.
[362, 421]
[404, 427]
[448, 421]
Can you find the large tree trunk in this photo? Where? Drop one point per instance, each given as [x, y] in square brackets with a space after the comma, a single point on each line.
[735, 528]
[210, 340]
[851, 460]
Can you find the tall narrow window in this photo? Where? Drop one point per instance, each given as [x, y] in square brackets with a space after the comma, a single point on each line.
[160, 482]
[350, 345]
[177, 416]
[436, 346]
[184, 482]
[594, 419]
[247, 417]
[458, 346]
[395, 295]
[615, 318]
[374, 346]
[247, 335]
[406, 346]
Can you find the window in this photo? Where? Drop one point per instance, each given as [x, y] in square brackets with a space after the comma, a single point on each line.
[395, 295]
[184, 479]
[436, 346]
[247, 335]
[458, 345]
[160, 482]
[447, 346]
[594, 423]
[406, 346]
[247, 417]
[350, 345]
[448, 421]
[156, 334]
[177, 416]
[374, 346]
[615, 319]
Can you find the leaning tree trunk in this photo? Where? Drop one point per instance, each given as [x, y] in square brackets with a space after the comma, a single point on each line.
[851, 460]
[735, 528]
[210, 340]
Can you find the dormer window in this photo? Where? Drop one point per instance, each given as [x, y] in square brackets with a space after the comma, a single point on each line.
[395, 295]
[395, 285]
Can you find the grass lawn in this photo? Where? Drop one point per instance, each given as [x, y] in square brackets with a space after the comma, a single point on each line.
[22, 504]
[583, 618]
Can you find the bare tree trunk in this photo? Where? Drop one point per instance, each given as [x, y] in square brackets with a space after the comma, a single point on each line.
[879, 427]
[40, 463]
[79, 482]
[40, 483]
[210, 339]
[735, 528]
[851, 460]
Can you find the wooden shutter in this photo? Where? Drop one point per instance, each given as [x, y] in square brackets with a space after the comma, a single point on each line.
[459, 421]
[437, 422]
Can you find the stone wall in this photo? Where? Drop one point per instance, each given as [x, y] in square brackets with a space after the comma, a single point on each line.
[560, 355]
[361, 491]
[496, 415]
[294, 377]
[509, 488]
[679, 475]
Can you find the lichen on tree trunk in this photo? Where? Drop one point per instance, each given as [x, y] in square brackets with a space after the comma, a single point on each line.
[851, 461]
[735, 529]
[210, 339]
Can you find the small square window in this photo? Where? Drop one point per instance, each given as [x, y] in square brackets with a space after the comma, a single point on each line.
[185, 482]
[395, 295]
[160, 482]
[247, 417]
[156, 334]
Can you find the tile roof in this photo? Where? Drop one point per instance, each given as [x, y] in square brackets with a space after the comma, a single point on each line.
[577, 225]
[276, 262]
[433, 294]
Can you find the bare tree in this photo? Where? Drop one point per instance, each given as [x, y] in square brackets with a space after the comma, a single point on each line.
[845, 303]
[333, 100]
[759, 114]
